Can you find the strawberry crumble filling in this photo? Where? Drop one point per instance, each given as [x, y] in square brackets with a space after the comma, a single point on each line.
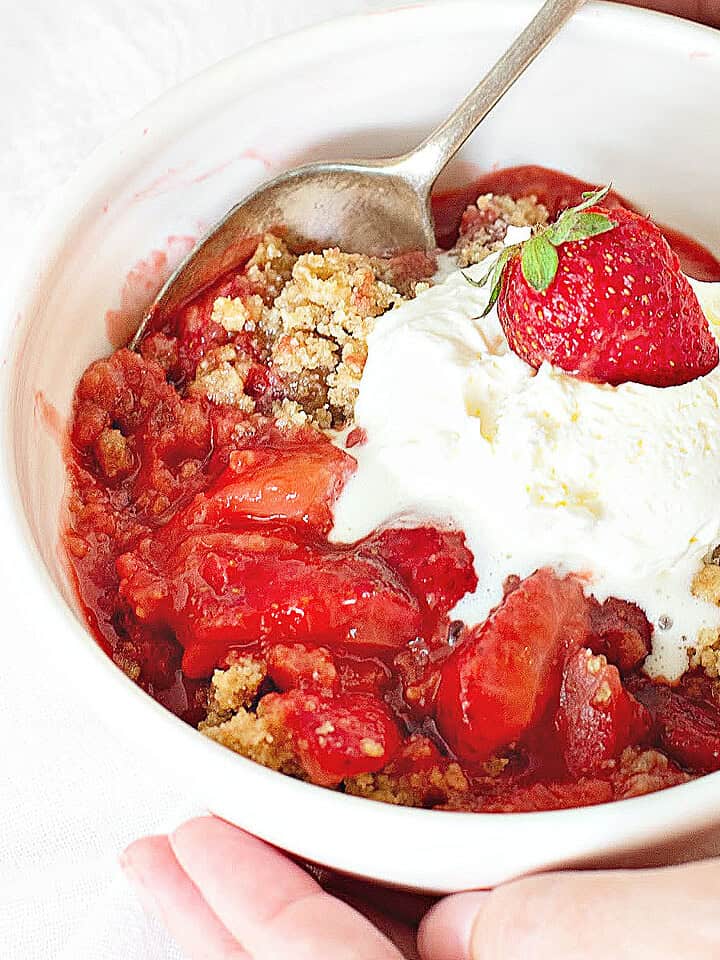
[212, 475]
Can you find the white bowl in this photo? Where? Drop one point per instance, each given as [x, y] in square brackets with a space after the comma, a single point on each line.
[622, 94]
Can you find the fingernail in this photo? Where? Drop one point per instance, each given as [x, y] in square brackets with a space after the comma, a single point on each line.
[446, 931]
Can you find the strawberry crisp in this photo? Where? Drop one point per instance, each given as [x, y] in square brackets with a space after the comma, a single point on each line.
[209, 475]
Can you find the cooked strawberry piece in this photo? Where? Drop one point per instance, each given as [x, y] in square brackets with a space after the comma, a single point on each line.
[687, 730]
[597, 717]
[499, 681]
[621, 632]
[119, 393]
[294, 482]
[334, 737]
[435, 564]
[416, 753]
[356, 438]
[197, 332]
[613, 307]
[360, 674]
[546, 795]
[297, 666]
[226, 591]
[406, 269]
[163, 350]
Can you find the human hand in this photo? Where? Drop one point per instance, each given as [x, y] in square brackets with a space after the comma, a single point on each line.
[704, 11]
[225, 895]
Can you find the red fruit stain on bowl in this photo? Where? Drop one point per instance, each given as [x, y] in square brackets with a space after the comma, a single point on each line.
[211, 172]
[141, 286]
[159, 185]
[50, 418]
[252, 154]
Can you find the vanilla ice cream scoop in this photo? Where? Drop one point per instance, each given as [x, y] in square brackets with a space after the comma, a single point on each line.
[538, 468]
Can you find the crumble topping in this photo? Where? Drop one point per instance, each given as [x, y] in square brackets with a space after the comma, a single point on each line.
[705, 653]
[234, 688]
[220, 376]
[289, 414]
[231, 723]
[706, 584]
[485, 225]
[438, 784]
[320, 322]
[255, 737]
[113, 453]
[270, 267]
[645, 771]
[236, 314]
[310, 321]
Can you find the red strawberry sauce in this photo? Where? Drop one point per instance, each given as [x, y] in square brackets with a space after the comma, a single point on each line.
[197, 532]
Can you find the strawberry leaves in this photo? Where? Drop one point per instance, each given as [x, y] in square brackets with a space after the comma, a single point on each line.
[494, 275]
[538, 255]
[539, 260]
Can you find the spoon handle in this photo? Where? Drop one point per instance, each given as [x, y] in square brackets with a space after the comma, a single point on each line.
[422, 165]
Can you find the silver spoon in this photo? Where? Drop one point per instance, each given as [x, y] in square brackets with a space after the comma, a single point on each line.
[364, 206]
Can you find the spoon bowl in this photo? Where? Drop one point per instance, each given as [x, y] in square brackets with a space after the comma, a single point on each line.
[371, 207]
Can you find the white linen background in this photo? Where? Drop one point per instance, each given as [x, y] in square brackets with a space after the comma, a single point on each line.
[71, 795]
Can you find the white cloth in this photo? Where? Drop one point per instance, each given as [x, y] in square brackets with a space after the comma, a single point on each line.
[71, 796]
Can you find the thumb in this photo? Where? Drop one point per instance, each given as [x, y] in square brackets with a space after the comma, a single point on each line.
[672, 913]
[705, 11]
[446, 931]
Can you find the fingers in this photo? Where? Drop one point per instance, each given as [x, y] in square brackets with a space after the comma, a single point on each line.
[666, 914]
[446, 930]
[166, 891]
[704, 11]
[270, 905]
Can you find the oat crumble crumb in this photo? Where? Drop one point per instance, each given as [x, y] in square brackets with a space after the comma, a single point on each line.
[485, 224]
[706, 584]
[371, 748]
[642, 771]
[220, 376]
[320, 323]
[289, 413]
[706, 652]
[495, 766]
[255, 738]
[234, 688]
[271, 266]
[113, 453]
[433, 786]
[236, 314]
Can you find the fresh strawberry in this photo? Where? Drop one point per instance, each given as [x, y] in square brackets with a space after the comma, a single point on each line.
[499, 681]
[334, 737]
[688, 730]
[597, 717]
[600, 295]
[233, 590]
